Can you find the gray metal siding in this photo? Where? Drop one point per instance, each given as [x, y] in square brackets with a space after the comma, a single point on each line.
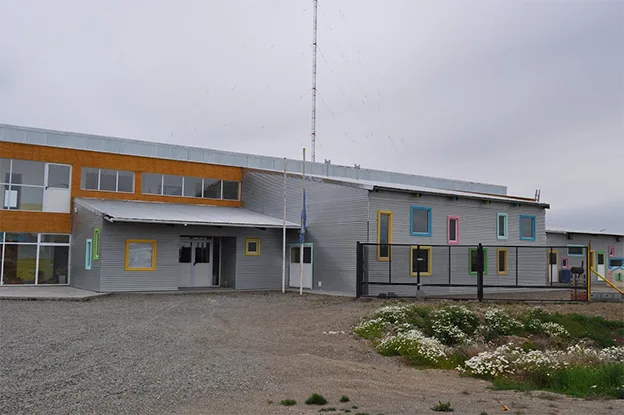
[336, 217]
[83, 224]
[240, 270]
[114, 276]
[599, 243]
[477, 225]
[176, 152]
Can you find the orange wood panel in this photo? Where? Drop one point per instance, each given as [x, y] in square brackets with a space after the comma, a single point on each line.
[82, 158]
[36, 222]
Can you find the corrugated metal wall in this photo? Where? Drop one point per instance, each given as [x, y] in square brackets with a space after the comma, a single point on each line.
[170, 151]
[600, 243]
[246, 272]
[84, 223]
[477, 225]
[337, 219]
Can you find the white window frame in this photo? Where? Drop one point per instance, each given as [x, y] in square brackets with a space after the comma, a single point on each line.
[99, 180]
[38, 244]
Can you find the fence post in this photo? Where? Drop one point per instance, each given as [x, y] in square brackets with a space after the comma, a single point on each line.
[480, 267]
[358, 270]
[417, 268]
[389, 263]
[589, 274]
[450, 257]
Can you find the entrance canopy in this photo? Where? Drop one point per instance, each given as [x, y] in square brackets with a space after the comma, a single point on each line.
[180, 214]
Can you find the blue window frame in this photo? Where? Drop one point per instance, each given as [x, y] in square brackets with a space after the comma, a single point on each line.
[577, 250]
[502, 226]
[420, 221]
[527, 228]
[88, 253]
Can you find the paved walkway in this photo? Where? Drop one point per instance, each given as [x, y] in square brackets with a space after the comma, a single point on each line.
[62, 293]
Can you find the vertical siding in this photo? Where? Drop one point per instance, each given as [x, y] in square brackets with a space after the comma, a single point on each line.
[84, 222]
[337, 219]
[228, 262]
[477, 225]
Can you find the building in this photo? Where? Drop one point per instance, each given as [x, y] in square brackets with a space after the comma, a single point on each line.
[569, 250]
[112, 215]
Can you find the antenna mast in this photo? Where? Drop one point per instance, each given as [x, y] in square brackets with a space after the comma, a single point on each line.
[313, 134]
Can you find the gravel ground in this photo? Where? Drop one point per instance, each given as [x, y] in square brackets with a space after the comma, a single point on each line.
[228, 354]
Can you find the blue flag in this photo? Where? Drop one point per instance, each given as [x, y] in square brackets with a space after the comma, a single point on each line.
[302, 231]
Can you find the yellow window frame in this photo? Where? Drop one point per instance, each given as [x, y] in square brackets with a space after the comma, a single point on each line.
[142, 241]
[379, 213]
[498, 271]
[429, 271]
[252, 253]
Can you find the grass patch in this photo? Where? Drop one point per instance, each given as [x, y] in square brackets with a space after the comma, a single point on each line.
[344, 398]
[603, 381]
[598, 329]
[442, 407]
[328, 410]
[288, 402]
[316, 399]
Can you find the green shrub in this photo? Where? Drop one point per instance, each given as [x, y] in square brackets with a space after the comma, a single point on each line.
[288, 402]
[453, 324]
[316, 399]
[442, 407]
[371, 329]
[344, 398]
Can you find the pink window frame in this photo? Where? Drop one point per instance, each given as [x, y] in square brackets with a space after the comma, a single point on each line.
[611, 251]
[565, 260]
[448, 230]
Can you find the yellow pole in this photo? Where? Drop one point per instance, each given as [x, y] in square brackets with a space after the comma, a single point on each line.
[588, 273]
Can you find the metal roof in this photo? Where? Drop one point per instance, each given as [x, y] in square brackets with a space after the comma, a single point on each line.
[89, 142]
[393, 187]
[578, 231]
[180, 214]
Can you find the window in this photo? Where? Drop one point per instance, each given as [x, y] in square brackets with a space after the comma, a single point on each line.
[172, 185]
[96, 243]
[230, 190]
[600, 258]
[553, 257]
[169, 185]
[611, 251]
[384, 234]
[527, 228]
[576, 250]
[615, 262]
[619, 277]
[474, 261]
[295, 257]
[22, 184]
[140, 255]
[252, 247]
[88, 253]
[421, 260]
[107, 180]
[502, 226]
[192, 187]
[453, 230]
[565, 262]
[420, 221]
[502, 261]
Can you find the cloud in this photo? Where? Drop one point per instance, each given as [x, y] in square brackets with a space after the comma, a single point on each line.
[525, 94]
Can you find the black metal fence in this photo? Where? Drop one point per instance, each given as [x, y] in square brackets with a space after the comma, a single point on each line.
[483, 272]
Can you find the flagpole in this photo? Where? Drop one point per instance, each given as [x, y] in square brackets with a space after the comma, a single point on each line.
[284, 235]
[303, 224]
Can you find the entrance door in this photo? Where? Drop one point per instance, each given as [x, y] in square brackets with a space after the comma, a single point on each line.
[57, 192]
[553, 266]
[601, 266]
[195, 263]
[295, 265]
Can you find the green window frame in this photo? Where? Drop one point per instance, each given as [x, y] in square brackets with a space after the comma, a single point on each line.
[485, 266]
[97, 235]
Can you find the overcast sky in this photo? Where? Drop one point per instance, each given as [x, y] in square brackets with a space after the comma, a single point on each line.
[528, 94]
